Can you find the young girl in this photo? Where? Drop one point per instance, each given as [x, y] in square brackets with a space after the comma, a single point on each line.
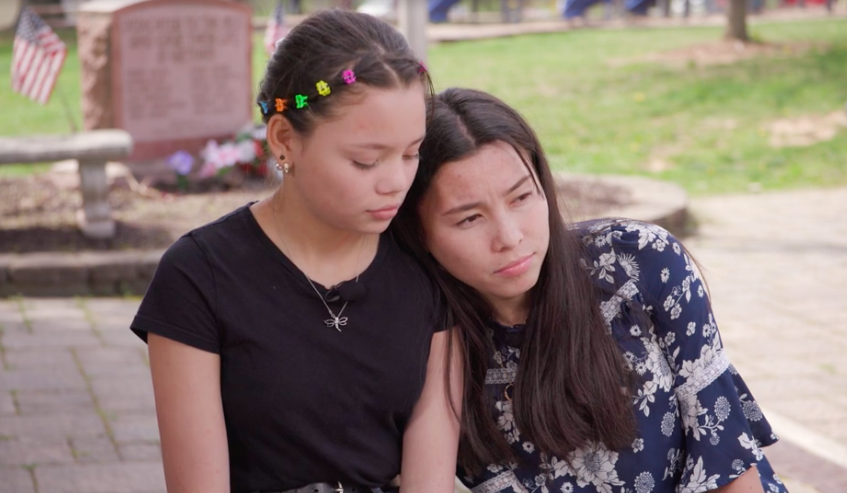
[289, 340]
[592, 359]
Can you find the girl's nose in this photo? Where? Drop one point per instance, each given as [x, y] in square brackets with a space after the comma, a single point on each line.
[397, 178]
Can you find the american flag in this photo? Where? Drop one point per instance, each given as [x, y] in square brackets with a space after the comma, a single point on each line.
[275, 29]
[37, 57]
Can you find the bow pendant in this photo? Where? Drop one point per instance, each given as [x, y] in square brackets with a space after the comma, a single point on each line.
[336, 322]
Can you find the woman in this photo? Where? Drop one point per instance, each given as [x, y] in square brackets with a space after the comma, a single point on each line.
[289, 340]
[592, 359]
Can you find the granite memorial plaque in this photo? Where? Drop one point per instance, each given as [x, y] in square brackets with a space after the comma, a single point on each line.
[179, 71]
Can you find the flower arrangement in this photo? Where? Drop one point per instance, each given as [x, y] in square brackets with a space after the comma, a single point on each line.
[246, 153]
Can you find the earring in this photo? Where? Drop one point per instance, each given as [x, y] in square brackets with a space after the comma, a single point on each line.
[284, 167]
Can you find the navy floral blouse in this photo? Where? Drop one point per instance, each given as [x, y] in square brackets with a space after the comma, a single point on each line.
[699, 426]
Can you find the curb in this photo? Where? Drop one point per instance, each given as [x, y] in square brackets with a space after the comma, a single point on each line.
[52, 274]
[125, 273]
[653, 201]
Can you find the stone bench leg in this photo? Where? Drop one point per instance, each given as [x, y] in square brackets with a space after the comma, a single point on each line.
[95, 217]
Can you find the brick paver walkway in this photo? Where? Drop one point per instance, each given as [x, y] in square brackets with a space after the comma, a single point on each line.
[76, 403]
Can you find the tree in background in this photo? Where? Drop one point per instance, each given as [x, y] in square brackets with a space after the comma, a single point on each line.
[736, 27]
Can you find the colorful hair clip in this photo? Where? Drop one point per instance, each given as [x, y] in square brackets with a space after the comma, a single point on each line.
[323, 88]
[301, 101]
[348, 76]
[280, 104]
[421, 68]
[264, 106]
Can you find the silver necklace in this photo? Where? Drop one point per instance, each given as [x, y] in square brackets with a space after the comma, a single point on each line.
[336, 321]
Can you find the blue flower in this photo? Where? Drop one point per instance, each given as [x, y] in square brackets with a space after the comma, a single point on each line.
[181, 162]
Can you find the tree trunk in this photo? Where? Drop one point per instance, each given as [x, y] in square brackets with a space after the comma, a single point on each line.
[412, 20]
[665, 7]
[736, 27]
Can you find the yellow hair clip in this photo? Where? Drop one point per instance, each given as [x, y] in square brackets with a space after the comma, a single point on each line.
[323, 88]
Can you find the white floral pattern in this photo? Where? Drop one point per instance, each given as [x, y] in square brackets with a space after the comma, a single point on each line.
[694, 410]
[644, 483]
[698, 479]
[595, 464]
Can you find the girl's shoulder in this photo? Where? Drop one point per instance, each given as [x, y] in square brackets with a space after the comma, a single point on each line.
[229, 227]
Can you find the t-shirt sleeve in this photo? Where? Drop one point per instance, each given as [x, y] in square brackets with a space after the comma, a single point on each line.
[724, 428]
[429, 300]
[441, 319]
[180, 301]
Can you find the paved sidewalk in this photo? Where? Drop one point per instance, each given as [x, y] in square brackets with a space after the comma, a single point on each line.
[76, 403]
[489, 24]
[776, 266]
[484, 30]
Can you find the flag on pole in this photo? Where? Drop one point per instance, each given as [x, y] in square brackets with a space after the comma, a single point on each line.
[275, 29]
[37, 57]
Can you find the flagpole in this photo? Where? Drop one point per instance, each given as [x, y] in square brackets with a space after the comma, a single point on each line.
[67, 108]
[65, 105]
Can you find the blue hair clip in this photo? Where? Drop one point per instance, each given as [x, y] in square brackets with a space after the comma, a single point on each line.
[264, 105]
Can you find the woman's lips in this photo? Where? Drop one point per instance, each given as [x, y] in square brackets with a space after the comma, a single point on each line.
[516, 268]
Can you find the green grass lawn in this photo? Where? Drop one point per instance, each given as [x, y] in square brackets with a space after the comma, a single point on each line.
[593, 117]
[707, 124]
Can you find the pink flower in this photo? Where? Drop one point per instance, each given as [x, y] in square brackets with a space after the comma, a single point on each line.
[208, 170]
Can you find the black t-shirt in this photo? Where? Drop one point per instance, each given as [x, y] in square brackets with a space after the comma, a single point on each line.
[303, 403]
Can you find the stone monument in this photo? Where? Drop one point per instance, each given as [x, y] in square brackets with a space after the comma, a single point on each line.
[172, 73]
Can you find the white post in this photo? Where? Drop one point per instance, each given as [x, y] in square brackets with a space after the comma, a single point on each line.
[9, 10]
[413, 16]
[71, 7]
[95, 216]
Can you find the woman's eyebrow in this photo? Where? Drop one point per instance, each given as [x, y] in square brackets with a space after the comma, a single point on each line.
[518, 184]
[473, 205]
[462, 208]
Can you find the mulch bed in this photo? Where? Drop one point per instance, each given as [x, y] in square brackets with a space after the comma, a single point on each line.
[38, 212]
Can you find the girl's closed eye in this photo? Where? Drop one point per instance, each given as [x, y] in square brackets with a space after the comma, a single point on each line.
[362, 165]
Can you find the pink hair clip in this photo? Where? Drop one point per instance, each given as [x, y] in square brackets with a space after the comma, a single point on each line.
[348, 76]
[421, 68]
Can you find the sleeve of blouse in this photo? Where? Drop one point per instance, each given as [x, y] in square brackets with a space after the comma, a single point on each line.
[179, 303]
[723, 426]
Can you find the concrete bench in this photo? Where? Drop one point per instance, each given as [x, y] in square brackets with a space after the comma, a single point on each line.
[92, 150]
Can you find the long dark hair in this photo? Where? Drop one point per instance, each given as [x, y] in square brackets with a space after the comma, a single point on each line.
[571, 374]
[321, 48]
